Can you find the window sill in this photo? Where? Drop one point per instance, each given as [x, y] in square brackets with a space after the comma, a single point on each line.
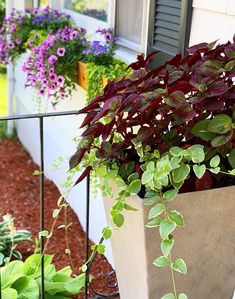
[127, 55]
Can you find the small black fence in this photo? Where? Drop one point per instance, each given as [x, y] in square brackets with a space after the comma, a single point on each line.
[40, 117]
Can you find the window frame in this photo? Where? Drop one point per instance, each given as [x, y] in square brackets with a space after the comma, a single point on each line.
[90, 23]
[126, 49]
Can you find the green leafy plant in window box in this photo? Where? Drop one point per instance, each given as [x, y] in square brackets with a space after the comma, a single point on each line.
[99, 75]
[99, 65]
[160, 132]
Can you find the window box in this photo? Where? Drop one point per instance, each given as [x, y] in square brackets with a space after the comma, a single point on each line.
[82, 75]
[82, 79]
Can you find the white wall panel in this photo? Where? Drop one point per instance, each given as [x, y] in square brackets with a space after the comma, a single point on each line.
[58, 135]
[208, 25]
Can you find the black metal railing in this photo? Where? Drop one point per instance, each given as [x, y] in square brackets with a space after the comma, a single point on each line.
[98, 295]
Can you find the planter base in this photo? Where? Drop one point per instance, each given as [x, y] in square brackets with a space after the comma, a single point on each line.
[206, 243]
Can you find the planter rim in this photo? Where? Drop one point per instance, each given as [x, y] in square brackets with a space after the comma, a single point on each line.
[208, 190]
[201, 192]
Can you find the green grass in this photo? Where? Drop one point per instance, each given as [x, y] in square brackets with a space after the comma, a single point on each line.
[3, 130]
[3, 93]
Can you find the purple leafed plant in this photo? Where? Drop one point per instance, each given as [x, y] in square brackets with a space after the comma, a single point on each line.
[188, 100]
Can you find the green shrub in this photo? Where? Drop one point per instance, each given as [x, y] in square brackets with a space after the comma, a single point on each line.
[2, 10]
[22, 280]
[9, 238]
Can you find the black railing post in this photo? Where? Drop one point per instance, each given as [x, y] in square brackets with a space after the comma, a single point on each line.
[87, 233]
[42, 203]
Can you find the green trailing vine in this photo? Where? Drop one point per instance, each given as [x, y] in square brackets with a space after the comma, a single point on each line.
[163, 175]
[62, 207]
[96, 73]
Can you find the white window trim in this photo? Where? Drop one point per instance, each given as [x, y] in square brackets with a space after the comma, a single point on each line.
[126, 50]
[89, 23]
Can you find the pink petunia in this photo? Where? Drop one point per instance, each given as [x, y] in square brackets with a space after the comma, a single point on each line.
[61, 52]
[52, 59]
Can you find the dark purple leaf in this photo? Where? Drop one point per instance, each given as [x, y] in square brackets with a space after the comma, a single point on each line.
[88, 119]
[76, 158]
[83, 175]
[183, 115]
[218, 88]
[94, 130]
[107, 129]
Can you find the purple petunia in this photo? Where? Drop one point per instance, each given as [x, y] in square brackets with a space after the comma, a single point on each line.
[53, 78]
[13, 28]
[60, 80]
[42, 91]
[18, 41]
[11, 45]
[51, 70]
[73, 34]
[61, 52]
[52, 59]
[47, 73]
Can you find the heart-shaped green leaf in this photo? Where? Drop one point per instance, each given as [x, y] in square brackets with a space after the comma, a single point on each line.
[179, 266]
[168, 296]
[166, 246]
[214, 162]
[181, 173]
[199, 170]
[170, 194]
[162, 261]
[166, 227]
[156, 210]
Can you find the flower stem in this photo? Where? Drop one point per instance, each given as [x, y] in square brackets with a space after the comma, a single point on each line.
[170, 257]
[173, 277]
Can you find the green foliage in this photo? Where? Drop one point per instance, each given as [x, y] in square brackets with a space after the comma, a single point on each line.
[161, 178]
[182, 296]
[96, 73]
[2, 10]
[168, 296]
[166, 246]
[162, 261]
[23, 279]
[179, 266]
[9, 238]
[218, 130]
[3, 130]
[156, 210]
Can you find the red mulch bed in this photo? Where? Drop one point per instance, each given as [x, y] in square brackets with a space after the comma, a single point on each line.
[20, 198]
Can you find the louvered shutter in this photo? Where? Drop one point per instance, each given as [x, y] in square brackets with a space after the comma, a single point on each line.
[169, 27]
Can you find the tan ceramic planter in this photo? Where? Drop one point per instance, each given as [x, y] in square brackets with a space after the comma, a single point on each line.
[206, 243]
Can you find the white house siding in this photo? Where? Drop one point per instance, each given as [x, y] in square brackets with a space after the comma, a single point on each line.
[58, 137]
[212, 20]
